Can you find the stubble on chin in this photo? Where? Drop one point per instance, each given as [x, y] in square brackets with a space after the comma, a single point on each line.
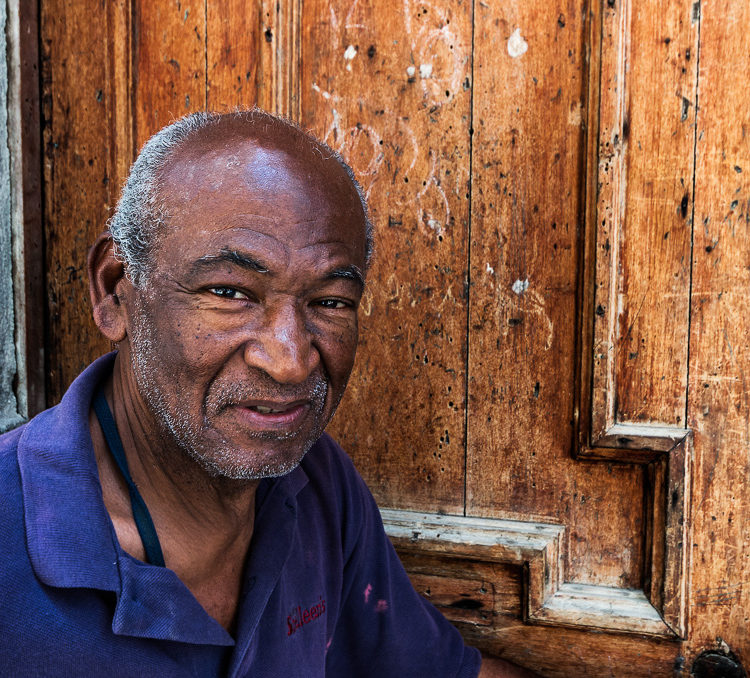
[198, 438]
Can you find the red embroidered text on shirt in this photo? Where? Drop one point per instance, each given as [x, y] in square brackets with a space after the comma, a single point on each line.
[299, 617]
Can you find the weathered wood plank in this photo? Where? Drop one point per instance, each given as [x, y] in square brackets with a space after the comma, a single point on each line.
[719, 396]
[76, 180]
[119, 94]
[564, 653]
[279, 70]
[528, 98]
[643, 216]
[24, 145]
[402, 418]
[466, 590]
[169, 64]
[233, 39]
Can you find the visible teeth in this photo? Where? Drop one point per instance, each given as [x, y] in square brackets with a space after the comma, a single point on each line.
[265, 410]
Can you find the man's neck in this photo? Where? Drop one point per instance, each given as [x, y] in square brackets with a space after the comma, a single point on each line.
[204, 524]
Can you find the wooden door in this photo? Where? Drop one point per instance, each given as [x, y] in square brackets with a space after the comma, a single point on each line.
[550, 399]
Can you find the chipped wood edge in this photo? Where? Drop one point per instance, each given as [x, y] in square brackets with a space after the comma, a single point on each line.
[678, 537]
[609, 174]
[634, 443]
[537, 549]
[26, 214]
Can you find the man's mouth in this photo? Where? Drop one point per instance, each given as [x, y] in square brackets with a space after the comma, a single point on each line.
[269, 415]
[267, 410]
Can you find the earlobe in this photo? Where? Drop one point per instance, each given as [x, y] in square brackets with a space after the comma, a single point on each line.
[106, 275]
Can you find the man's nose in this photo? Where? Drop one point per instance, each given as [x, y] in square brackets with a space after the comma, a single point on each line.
[283, 347]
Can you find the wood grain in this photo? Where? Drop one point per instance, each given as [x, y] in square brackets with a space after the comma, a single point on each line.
[169, 63]
[76, 180]
[26, 179]
[389, 89]
[642, 218]
[522, 350]
[719, 398]
[233, 43]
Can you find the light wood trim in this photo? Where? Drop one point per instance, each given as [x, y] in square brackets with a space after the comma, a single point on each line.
[634, 443]
[608, 213]
[537, 548]
[603, 607]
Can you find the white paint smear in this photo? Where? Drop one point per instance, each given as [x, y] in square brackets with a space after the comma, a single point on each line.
[435, 225]
[574, 115]
[489, 269]
[516, 44]
[520, 286]
[425, 70]
[350, 52]
[410, 71]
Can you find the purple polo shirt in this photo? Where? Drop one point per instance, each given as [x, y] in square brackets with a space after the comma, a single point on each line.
[324, 593]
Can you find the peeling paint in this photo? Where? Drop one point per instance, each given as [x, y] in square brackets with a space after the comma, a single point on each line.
[575, 116]
[410, 71]
[349, 54]
[435, 225]
[425, 70]
[9, 416]
[323, 93]
[520, 286]
[489, 269]
[516, 44]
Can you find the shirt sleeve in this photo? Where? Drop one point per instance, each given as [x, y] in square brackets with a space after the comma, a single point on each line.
[384, 628]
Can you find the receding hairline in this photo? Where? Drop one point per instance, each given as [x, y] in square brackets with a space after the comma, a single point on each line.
[262, 128]
[229, 131]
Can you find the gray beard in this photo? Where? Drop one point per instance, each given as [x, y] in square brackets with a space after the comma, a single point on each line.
[219, 460]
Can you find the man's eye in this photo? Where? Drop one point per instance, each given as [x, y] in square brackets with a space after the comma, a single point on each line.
[227, 293]
[333, 303]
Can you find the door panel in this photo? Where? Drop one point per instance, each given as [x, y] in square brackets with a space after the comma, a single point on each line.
[407, 135]
[549, 400]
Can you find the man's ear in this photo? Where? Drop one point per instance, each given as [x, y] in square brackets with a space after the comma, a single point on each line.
[106, 274]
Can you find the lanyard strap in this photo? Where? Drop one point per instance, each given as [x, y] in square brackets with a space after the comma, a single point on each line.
[141, 515]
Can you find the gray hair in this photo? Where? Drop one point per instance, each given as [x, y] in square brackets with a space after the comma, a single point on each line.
[140, 213]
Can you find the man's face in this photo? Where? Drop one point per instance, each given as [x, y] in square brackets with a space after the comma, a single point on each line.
[243, 335]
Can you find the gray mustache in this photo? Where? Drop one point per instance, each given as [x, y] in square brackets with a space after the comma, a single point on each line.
[264, 388]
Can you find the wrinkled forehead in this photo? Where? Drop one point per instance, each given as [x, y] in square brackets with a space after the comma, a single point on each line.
[285, 184]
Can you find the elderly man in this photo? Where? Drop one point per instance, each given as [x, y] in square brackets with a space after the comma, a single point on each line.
[181, 512]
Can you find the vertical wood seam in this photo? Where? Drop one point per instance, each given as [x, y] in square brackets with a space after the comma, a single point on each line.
[205, 54]
[692, 211]
[37, 355]
[468, 269]
[588, 251]
[132, 77]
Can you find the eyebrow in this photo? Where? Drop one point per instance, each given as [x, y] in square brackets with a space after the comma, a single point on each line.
[351, 272]
[232, 257]
[348, 273]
